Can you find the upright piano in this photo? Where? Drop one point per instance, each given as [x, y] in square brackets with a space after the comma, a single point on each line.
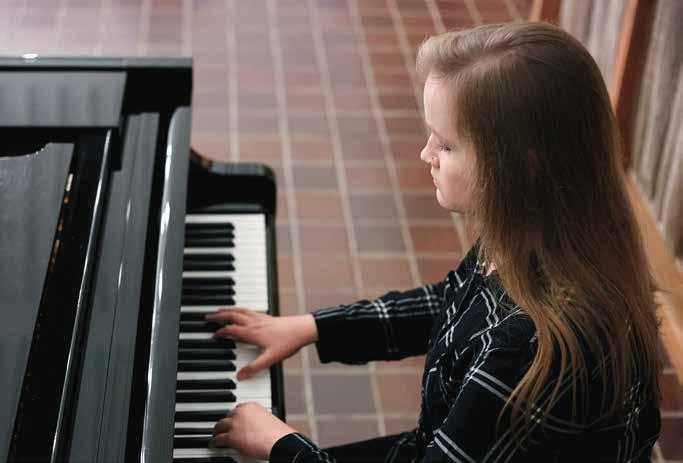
[115, 240]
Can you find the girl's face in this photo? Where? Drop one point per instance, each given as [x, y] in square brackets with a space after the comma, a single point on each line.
[452, 164]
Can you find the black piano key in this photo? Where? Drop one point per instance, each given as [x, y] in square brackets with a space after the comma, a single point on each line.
[206, 365]
[193, 281]
[192, 316]
[204, 343]
[221, 242]
[213, 299]
[215, 287]
[184, 431]
[209, 257]
[209, 226]
[204, 396]
[210, 384]
[208, 353]
[209, 232]
[199, 416]
[225, 459]
[191, 442]
[209, 266]
[199, 326]
[198, 290]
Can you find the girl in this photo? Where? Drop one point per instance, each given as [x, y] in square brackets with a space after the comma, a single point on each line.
[542, 344]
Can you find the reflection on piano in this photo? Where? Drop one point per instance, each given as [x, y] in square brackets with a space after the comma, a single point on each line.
[115, 241]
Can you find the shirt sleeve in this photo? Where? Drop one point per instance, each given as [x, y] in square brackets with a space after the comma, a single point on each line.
[297, 448]
[391, 327]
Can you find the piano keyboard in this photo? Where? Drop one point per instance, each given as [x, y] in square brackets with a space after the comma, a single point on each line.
[224, 266]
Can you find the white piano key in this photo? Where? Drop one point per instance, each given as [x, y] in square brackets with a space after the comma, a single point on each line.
[206, 309]
[249, 394]
[235, 219]
[255, 258]
[247, 288]
[248, 275]
[217, 406]
[215, 452]
[261, 376]
[255, 305]
[196, 336]
[245, 394]
[242, 294]
[219, 250]
[194, 424]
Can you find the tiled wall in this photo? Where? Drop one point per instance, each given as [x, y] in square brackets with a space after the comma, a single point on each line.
[324, 91]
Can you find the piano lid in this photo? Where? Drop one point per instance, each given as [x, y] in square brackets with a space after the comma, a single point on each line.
[31, 192]
[63, 93]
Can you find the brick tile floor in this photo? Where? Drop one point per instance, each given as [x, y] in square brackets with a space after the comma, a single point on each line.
[324, 92]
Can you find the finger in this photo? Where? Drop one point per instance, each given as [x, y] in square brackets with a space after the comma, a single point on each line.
[241, 310]
[266, 359]
[222, 426]
[228, 316]
[239, 333]
[220, 440]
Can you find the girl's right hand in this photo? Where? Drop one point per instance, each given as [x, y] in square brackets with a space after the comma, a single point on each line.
[279, 337]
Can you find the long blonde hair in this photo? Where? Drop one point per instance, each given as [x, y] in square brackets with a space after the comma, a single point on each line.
[551, 206]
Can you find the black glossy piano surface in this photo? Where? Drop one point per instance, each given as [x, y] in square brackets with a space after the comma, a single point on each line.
[114, 244]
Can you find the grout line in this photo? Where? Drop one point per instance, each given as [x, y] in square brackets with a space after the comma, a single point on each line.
[474, 12]
[100, 33]
[407, 58]
[341, 175]
[274, 36]
[455, 218]
[391, 171]
[59, 22]
[513, 11]
[436, 17]
[405, 48]
[188, 7]
[15, 19]
[384, 140]
[233, 76]
[338, 159]
[143, 27]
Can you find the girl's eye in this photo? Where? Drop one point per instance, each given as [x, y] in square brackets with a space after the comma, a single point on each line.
[444, 148]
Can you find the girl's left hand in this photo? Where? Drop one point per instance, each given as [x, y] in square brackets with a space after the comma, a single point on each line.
[251, 430]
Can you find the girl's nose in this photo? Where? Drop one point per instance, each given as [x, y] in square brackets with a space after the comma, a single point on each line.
[424, 155]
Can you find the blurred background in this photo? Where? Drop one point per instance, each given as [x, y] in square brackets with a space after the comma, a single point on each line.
[325, 92]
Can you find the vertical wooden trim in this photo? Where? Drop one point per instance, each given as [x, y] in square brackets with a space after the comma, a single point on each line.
[630, 61]
[545, 10]
[667, 275]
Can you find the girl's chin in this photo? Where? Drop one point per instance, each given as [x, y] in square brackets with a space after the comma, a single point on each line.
[442, 201]
[450, 207]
